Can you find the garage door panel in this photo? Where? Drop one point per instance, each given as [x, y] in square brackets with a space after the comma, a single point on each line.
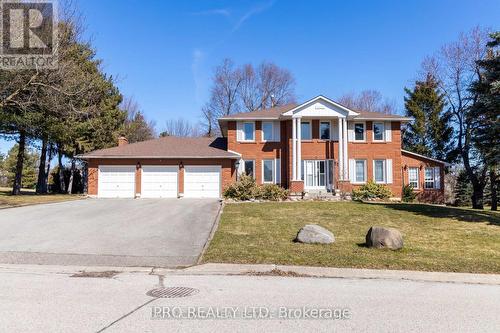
[116, 182]
[202, 181]
[159, 181]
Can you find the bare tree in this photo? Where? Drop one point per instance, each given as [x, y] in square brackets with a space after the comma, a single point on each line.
[182, 128]
[245, 89]
[456, 68]
[136, 128]
[368, 100]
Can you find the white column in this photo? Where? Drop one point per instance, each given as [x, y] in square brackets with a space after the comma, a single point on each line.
[340, 158]
[294, 149]
[344, 140]
[299, 148]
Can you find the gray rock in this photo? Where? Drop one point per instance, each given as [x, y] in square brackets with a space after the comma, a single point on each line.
[379, 237]
[312, 233]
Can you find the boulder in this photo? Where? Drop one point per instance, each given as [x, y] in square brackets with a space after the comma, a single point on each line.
[379, 237]
[314, 234]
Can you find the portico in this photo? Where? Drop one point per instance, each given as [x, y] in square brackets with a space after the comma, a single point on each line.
[314, 173]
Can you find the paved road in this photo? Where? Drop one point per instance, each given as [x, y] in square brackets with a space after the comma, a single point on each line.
[116, 232]
[36, 300]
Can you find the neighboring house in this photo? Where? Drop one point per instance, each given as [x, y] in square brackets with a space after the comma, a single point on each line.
[319, 145]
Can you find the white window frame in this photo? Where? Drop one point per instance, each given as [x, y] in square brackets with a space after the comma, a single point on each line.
[355, 181]
[384, 171]
[383, 131]
[429, 180]
[330, 129]
[253, 167]
[272, 131]
[310, 130]
[364, 131]
[273, 177]
[417, 181]
[244, 139]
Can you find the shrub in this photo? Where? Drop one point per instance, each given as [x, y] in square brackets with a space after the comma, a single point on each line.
[244, 189]
[408, 194]
[371, 191]
[272, 192]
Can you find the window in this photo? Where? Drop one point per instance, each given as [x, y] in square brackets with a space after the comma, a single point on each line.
[359, 132]
[413, 177]
[324, 130]
[379, 171]
[360, 174]
[305, 130]
[267, 131]
[267, 171]
[249, 168]
[430, 178]
[378, 131]
[248, 131]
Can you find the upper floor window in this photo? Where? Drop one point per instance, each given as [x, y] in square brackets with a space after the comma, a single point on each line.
[359, 131]
[249, 131]
[413, 177]
[267, 131]
[378, 131]
[324, 130]
[305, 130]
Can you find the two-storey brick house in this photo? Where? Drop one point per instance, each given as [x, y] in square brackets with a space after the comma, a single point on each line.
[319, 145]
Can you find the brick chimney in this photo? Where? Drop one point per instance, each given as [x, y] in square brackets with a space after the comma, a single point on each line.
[122, 141]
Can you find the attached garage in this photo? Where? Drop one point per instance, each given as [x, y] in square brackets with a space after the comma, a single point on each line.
[159, 181]
[202, 181]
[116, 181]
[167, 167]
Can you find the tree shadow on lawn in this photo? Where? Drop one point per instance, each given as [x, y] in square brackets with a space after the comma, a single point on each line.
[459, 214]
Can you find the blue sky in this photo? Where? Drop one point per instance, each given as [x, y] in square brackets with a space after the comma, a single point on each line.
[163, 52]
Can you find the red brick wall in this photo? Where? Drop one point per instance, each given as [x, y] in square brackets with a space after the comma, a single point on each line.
[424, 195]
[227, 166]
[316, 149]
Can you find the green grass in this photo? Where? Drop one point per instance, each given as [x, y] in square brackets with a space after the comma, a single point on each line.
[436, 238]
[29, 197]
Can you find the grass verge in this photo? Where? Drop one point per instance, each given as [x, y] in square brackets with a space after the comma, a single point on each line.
[29, 197]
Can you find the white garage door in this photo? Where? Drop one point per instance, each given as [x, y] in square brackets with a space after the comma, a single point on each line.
[116, 181]
[202, 181]
[159, 181]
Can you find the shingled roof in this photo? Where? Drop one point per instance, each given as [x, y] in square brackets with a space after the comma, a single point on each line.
[168, 147]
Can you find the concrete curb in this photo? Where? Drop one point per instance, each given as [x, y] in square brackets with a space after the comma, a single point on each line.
[330, 272]
[214, 228]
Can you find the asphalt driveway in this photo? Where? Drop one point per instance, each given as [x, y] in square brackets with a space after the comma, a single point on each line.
[115, 232]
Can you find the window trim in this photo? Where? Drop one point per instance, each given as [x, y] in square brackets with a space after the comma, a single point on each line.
[364, 131]
[418, 177]
[310, 130]
[365, 163]
[262, 131]
[253, 167]
[427, 180]
[383, 131]
[384, 171]
[244, 139]
[329, 129]
[273, 163]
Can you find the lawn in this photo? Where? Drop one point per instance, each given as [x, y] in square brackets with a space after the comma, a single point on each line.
[435, 238]
[29, 197]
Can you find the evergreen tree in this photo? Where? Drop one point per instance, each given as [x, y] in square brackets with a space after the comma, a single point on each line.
[485, 115]
[463, 190]
[29, 173]
[430, 133]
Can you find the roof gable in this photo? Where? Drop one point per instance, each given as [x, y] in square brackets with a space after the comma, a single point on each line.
[320, 106]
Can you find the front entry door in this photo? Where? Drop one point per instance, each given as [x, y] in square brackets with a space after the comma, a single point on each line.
[318, 174]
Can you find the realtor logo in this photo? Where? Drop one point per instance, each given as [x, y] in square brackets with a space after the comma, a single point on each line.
[28, 34]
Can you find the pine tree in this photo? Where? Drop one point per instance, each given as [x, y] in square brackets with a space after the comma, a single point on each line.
[430, 133]
[463, 190]
[485, 115]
